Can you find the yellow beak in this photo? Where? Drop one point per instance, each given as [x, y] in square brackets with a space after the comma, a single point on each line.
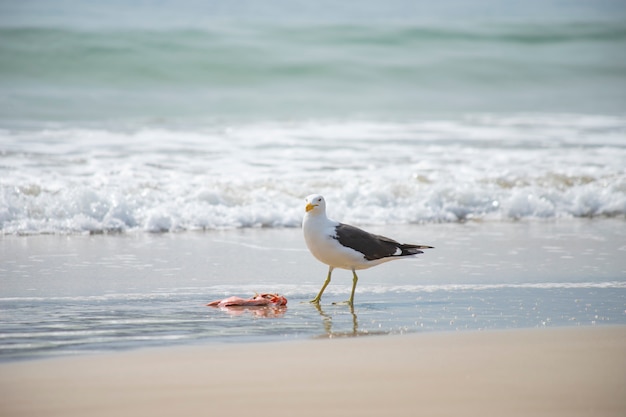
[310, 207]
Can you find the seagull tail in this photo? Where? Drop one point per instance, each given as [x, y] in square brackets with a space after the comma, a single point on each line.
[412, 249]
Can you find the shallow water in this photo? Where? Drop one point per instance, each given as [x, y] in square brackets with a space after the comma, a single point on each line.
[55, 327]
[78, 294]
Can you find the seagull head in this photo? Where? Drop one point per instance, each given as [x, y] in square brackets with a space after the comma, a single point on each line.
[315, 204]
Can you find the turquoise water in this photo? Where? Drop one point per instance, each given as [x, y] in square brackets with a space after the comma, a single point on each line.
[197, 61]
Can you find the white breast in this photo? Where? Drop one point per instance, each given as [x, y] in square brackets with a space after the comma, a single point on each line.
[319, 235]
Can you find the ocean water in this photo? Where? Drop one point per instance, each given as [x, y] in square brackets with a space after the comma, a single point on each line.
[159, 118]
[67, 295]
[204, 115]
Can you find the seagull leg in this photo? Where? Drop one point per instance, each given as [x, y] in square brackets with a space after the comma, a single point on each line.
[317, 299]
[355, 279]
[350, 302]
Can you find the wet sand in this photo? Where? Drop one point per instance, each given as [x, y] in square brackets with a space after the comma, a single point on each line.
[577, 371]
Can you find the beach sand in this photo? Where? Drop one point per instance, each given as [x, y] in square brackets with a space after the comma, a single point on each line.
[577, 371]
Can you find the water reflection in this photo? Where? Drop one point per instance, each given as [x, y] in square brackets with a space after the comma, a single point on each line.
[255, 311]
[329, 332]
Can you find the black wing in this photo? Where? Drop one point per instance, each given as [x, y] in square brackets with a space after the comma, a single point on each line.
[373, 246]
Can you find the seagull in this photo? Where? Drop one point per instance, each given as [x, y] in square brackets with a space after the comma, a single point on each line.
[343, 246]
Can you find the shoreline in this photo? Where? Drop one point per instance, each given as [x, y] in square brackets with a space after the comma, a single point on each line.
[67, 294]
[558, 371]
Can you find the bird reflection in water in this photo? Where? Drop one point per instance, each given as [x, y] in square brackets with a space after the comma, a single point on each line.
[327, 321]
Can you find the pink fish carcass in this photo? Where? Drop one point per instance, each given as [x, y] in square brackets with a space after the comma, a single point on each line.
[273, 300]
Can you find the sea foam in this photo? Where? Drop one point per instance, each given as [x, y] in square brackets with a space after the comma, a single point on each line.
[158, 179]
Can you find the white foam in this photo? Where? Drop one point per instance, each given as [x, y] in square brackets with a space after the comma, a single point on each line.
[68, 180]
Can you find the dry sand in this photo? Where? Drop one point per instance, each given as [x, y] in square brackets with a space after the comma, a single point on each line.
[545, 372]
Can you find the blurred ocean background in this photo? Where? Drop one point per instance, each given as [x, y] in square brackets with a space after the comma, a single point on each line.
[190, 115]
